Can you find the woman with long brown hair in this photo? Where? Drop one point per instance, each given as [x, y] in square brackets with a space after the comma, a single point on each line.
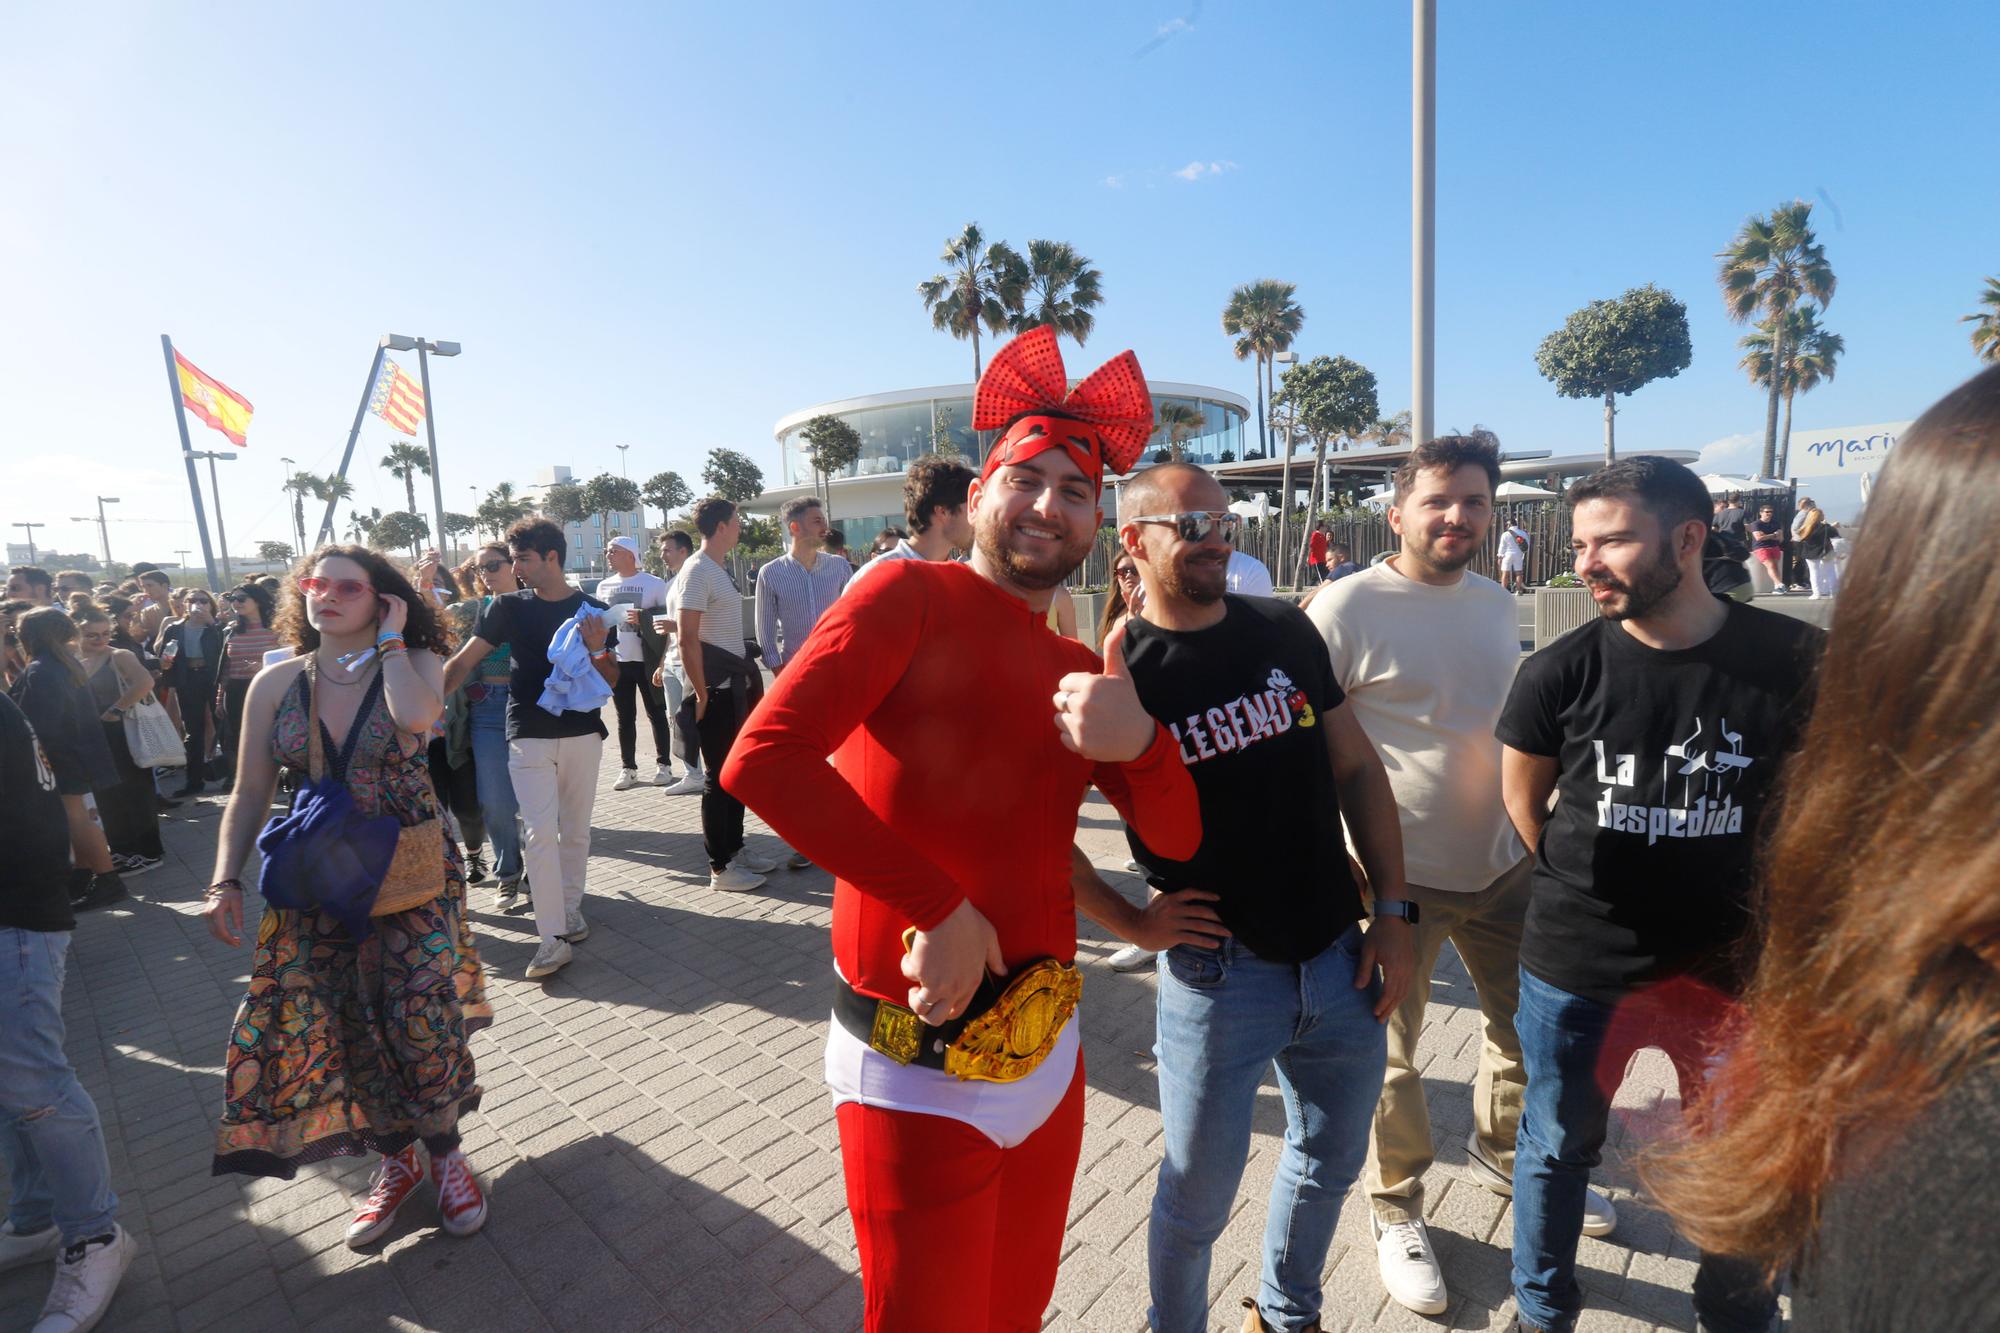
[343, 1046]
[118, 680]
[54, 693]
[1849, 1135]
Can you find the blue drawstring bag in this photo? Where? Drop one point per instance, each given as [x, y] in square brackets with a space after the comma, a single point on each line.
[325, 855]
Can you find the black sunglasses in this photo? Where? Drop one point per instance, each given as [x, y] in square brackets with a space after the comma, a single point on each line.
[495, 566]
[236, 597]
[1195, 526]
[1126, 574]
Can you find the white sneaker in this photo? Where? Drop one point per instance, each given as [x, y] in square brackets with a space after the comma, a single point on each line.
[575, 929]
[1131, 958]
[27, 1247]
[733, 879]
[87, 1277]
[511, 897]
[1600, 1218]
[690, 784]
[756, 865]
[1409, 1266]
[663, 776]
[551, 958]
[1132, 866]
[798, 861]
[628, 778]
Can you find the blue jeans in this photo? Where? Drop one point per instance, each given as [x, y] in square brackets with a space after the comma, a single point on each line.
[1225, 1015]
[496, 789]
[49, 1131]
[1575, 1050]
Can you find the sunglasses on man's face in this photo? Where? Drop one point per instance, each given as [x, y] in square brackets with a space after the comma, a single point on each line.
[1196, 526]
[340, 590]
[494, 566]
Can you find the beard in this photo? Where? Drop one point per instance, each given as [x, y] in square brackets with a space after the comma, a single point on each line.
[1424, 550]
[1037, 570]
[1200, 579]
[1650, 586]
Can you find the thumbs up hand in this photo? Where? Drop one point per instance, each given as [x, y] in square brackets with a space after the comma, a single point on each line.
[1099, 715]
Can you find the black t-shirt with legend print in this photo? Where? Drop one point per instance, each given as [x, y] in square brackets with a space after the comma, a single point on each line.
[1665, 763]
[1245, 698]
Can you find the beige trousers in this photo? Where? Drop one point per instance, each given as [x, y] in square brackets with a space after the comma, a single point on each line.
[1485, 928]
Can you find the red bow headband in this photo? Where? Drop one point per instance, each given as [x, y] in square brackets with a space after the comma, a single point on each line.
[1112, 409]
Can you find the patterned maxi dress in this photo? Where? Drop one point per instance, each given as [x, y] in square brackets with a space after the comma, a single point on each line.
[341, 1049]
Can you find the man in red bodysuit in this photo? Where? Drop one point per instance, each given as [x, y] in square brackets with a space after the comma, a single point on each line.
[964, 735]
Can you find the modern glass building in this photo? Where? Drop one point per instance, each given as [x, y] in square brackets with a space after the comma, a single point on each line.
[898, 428]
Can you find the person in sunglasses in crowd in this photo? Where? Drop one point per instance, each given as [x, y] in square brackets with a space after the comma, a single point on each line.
[486, 690]
[552, 758]
[246, 637]
[190, 649]
[1425, 651]
[118, 680]
[949, 813]
[1245, 686]
[341, 1047]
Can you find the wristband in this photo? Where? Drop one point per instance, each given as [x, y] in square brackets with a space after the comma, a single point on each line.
[222, 886]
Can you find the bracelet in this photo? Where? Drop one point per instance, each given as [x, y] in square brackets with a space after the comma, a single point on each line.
[388, 636]
[222, 886]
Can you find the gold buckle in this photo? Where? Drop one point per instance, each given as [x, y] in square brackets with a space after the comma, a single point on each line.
[896, 1033]
[1011, 1039]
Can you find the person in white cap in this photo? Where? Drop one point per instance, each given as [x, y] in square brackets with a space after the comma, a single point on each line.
[633, 594]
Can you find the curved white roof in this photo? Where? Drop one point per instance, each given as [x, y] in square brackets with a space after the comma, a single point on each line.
[1160, 389]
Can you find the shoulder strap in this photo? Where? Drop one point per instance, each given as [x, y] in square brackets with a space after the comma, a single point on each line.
[315, 749]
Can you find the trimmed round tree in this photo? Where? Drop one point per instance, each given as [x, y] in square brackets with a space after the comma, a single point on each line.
[1620, 346]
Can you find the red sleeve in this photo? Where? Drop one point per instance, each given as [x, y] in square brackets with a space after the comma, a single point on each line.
[855, 655]
[1156, 796]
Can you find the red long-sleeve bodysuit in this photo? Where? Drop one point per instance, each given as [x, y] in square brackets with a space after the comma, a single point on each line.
[931, 688]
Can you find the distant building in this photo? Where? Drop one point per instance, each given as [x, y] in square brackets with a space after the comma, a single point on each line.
[587, 539]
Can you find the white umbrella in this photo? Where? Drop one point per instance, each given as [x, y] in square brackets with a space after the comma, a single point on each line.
[1718, 484]
[1383, 498]
[1257, 506]
[1515, 490]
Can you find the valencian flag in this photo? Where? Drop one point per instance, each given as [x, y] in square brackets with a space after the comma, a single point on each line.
[213, 401]
[396, 398]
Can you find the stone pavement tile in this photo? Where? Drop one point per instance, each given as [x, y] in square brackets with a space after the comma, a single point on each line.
[225, 1300]
[1085, 1274]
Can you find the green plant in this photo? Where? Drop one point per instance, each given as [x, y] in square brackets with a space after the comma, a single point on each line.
[732, 475]
[832, 445]
[405, 461]
[983, 285]
[1566, 579]
[1986, 323]
[1774, 263]
[1811, 354]
[1061, 290]
[665, 491]
[1620, 346]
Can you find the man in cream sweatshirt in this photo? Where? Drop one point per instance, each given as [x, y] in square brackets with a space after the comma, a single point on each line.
[1426, 650]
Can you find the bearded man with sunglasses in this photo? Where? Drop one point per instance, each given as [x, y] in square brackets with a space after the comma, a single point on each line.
[947, 819]
[1245, 687]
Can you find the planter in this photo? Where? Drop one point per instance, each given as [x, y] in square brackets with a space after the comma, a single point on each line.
[1560, 610]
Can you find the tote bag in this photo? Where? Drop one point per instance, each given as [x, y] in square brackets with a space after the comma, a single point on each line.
[151, 737]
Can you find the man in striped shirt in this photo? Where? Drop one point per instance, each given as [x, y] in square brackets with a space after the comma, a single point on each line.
[796, 589]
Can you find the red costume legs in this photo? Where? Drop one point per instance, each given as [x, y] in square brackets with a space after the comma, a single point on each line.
[955, 1232]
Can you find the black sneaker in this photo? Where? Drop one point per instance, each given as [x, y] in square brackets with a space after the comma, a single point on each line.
[104, 890]
[475, 866]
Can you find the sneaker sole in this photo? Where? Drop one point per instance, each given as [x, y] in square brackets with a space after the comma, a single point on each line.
[141, 868]
[536, 974]
[463, 1229]
[361, 1240]
[578, 936]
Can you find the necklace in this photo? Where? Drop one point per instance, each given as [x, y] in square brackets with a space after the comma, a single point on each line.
[357, 678]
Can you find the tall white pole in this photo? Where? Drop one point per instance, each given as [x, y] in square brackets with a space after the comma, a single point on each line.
[1423, 219]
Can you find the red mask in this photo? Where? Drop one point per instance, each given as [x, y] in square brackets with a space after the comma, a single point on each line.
[1104, 422]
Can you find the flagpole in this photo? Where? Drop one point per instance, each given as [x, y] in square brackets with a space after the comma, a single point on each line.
[353, 434]
[187, 457]
[221, 537]
[430, 432]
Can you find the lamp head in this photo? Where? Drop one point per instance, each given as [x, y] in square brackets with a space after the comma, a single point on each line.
[396, 342]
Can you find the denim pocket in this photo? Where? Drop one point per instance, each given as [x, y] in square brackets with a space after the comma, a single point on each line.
[1196, 967]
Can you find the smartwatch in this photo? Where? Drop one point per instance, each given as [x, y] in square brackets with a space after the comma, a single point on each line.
[1401, 907]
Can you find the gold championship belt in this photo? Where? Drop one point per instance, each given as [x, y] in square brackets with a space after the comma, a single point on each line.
[1004, 1035]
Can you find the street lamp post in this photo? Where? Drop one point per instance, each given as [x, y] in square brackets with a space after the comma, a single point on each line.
[215, 500]
[184, 558]
[29, 528]
[423, 348]
[104, 528]
[621, 460]
[299, 522]
[1423, 218]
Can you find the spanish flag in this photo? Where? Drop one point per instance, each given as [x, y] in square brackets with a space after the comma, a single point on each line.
[213, 401]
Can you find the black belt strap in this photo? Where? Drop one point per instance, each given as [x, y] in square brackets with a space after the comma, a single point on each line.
[857, 1013]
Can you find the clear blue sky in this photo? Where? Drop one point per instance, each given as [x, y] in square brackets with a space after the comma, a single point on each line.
[669, 225]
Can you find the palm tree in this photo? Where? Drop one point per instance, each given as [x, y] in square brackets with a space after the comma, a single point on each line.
[406, 461]
[1263, 318]
[302, 484]
[1774, 264]
[1390, 432]
[360, 526]
[984, 283]
[1062, 289]
[1810, 354]
[1179, 421]
[502, 509]
[1986, 324]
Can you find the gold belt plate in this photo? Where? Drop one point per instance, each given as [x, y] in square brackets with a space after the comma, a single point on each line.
[1011, 1039]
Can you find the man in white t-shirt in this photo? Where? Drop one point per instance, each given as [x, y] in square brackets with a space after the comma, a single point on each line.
[1246, 575]
[633, 594]
[1426, 651]
[722, 681]
[1512, 552]
[934, 492]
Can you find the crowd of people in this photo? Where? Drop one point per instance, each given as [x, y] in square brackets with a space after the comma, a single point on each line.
[1667, 829]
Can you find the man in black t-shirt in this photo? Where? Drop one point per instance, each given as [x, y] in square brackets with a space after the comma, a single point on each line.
[1246, 686]
[63, 1208]
[552, 758]
[1660, 728]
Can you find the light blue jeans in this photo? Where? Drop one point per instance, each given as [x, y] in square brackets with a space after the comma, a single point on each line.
[49, 1131]
[496, 789]
[1225, 1016]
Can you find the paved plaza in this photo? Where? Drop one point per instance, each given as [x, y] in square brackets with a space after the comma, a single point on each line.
[658, 1148]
